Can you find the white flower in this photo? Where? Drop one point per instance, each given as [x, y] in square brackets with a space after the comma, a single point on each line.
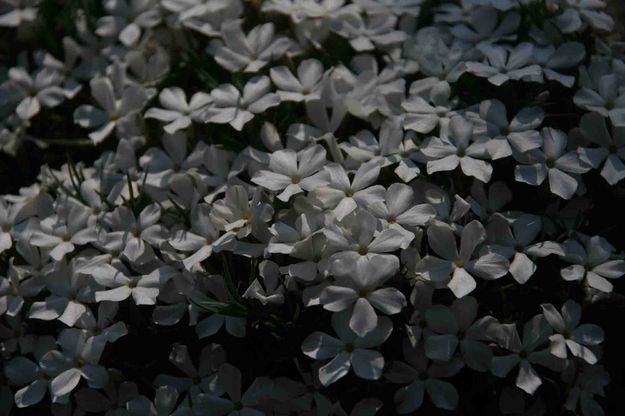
[63, 232]
[294, 172]
[251, 52]
[17, 285]
[343, 195]
[401, 213]
[349, 351]
[424, 117]
[307, 85]
[577, 12]
[33, 92]
[287, 238]
[565, 56]
[357, 290]
[517, 135]
[14, 13]
[120, 284]
[170, 166]
[392, 147]
[69, 290]
[606, 98]
[374, 31]
[178, 112]
[570, 335]
[517, 242]
[446, 210]
[236, 108]
[483, 25]
[551, 162]
[116, 109]
[198, 379]
[202, 17]
[422, 375]
[165, 399]
[437, 59]
[611, 150]
[238, 214]
[372, 91]
[502, 64]
[587, 383]
[314, 251]
[472, 334]
[524, 353]
[78, 359]
[203, 238]
[445, 153]
[133, 236]
[486, 202]
[126, 19]
[8, 214]
[272, 290]
[22, 371]
[237, 403]
[104, 328]
[356, 237]
[461, 265]
[592, 262]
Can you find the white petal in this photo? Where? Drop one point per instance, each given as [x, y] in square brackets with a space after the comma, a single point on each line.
[364, 318]
[65, 382]
[527, 379]
[335, 369]
[367, 364]
[443, 394]
[522, 268]
[322, 346]
[387, 300]
[441, 347]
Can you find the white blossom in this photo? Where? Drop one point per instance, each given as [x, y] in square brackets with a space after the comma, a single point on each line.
[349, 351]
[229, 105]
[178, 113]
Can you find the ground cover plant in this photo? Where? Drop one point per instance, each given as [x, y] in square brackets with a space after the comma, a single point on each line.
[311, 207]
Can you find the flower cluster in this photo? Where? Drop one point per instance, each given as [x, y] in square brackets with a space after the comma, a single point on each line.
[298, 199]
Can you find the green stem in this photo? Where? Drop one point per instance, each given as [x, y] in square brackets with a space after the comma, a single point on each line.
[228, 278]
